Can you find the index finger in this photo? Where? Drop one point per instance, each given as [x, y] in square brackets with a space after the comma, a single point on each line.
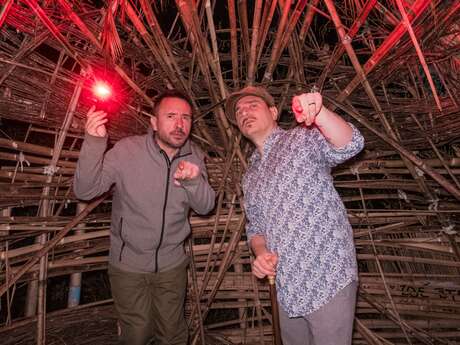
[91, 110]
[296, 105]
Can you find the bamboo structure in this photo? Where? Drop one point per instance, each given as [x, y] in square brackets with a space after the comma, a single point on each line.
[390, 67]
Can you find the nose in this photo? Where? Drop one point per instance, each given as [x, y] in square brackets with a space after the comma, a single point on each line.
[180, 123]
[241, 111]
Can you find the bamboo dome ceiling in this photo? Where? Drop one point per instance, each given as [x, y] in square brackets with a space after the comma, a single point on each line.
[390, 67]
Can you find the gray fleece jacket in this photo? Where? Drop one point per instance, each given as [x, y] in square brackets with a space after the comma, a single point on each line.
[149, 212]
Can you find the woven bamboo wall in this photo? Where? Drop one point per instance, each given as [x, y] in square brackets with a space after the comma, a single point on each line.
[390, 67]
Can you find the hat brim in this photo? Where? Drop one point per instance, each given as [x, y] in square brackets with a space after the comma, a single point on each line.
[231, 101]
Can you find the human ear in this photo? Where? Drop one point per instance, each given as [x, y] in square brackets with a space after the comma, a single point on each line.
[274, 112]
[153, 122]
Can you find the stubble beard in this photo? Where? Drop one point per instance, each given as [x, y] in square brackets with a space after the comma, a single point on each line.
[169, 138]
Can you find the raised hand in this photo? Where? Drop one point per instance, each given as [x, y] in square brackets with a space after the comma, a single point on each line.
[307, 106]
[265, 265]
[95, 122]
[185, 171]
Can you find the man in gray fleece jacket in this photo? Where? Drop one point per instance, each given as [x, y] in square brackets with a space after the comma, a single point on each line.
[156, 178]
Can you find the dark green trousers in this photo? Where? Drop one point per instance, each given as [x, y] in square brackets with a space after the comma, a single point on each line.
[150, 306]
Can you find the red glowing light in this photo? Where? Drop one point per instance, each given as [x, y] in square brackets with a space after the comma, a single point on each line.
[102, 90]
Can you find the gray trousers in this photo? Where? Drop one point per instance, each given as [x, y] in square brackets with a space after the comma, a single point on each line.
[332, 324]
[150, 306]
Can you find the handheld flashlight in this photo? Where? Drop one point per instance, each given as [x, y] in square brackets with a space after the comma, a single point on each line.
[102, 92]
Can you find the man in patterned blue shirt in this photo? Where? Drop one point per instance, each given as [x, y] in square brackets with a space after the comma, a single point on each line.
[297, 225]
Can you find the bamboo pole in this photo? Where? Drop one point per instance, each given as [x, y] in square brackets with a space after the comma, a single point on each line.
[258, 304]
[48, 246]
[55, 31]
[254, 40]
[236, 235]
[244, 29]
[337, 54]
[33, 148]
[88, 33]
[73, 298]
[436, 151]
[406, 23]
[215, 51]
[308, 20]
[190, 21]
[4, 12]
[277, 44]
[265, 26]
[233, 41]
[46, 211]
[410, 156]
[292, 23]
[196, 293]
[346, 41]
[417, 9]
[27, 47]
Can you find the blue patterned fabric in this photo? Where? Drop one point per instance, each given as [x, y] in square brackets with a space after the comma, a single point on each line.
[290, 199]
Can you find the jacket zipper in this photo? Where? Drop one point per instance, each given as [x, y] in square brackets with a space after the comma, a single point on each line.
[163, 221]
[168, 163]
[122, 240]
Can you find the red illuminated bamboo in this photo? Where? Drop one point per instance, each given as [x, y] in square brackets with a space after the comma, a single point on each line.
[341, 49]
[254, 41]
[265, 25]
[55, 31]
[300, 5]
[346, 42]
[244, 28]
[4, 11]
[417, 9]
[408, 26]
[277, 44]
[214, 59]
[308, 20]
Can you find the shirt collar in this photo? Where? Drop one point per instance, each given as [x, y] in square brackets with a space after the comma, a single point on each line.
[268, 144]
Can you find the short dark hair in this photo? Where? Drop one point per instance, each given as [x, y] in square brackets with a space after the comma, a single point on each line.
[173, 93]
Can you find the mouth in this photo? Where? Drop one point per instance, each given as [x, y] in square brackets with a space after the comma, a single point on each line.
[178, 135]
[247, 121]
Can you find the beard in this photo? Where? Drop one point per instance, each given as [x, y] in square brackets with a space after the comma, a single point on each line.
[175, 139]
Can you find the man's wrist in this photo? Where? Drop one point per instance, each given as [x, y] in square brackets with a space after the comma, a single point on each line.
[321, 118]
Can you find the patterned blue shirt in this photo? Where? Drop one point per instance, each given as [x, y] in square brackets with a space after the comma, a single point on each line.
[290, 199]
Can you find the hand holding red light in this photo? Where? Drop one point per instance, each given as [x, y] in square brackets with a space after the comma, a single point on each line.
[95, 122]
